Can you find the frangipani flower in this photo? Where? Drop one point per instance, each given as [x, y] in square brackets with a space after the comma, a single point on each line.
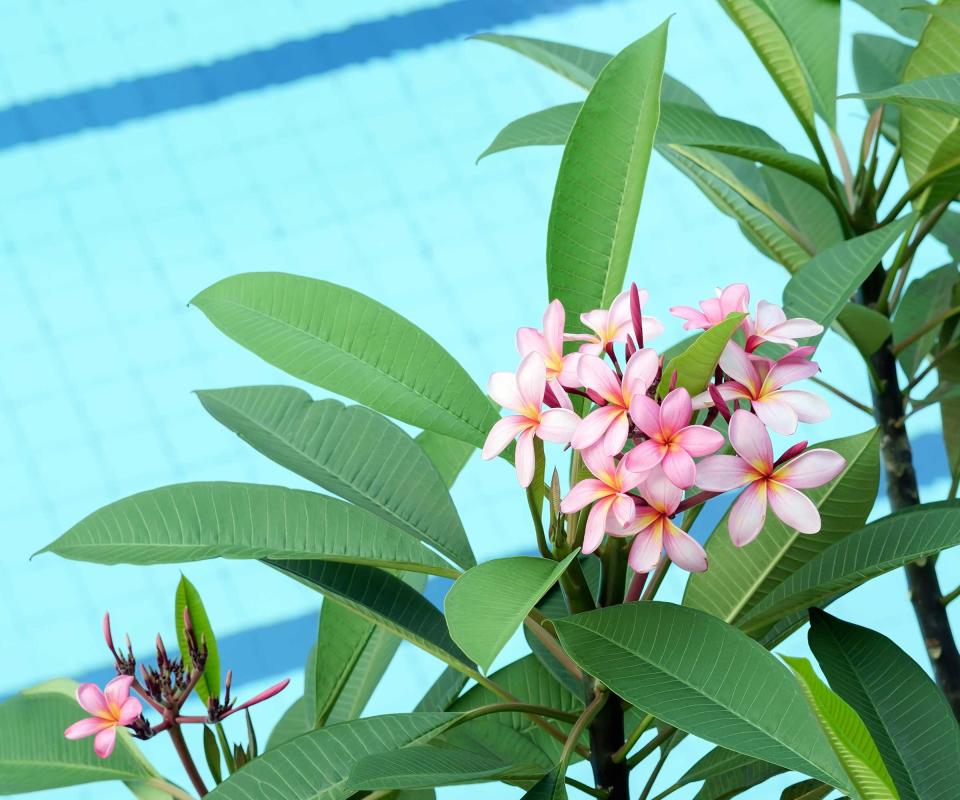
[523, 394]
[654, 530]
[673, 441]
[608, 425]
[613, 325]
[766, 482]
[761, 381]
[608, 491]
[772, 325]
[561, 369]
[714, 310]
[110, 708]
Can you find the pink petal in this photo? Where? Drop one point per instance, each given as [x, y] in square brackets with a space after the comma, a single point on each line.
[768, 315]
[794, 508]
[776, 414]
[558, 425]
[596, 320]
[600, 464]
[694, 318]
[553, 321]
[646, 547]
[645, 456]
[661, 493]
[129, 711]
[683, 549]
[87, 727]
[502, 387]
[675, 412]
[810, 469]
[627, 478]
[594, 426]
[596, 375]
[616, 436]
[652, 328]
[679, 467]
[644, 518]
[584, 493]
[623, 509]
[641, 371]
[645, 414]
[561, 394]
[525, 458]
[530, 340]
[117, 691]
[712, 310]
[807, 406]
[751, 441]
[748, 514]
[699, 440]
[568, 374]
[735, 362]
[791, 371]
[620, 308]
[531, 381]
[797, 328]
[596, 524]
[731, 390]
[592, 348]
[104, 741]
[723, 473]
[736, 297]
[502, 433]
[92, 700]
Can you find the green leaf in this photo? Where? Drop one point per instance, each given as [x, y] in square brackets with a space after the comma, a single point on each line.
[188, 598]
[343, 341]
[551, 126]
[936, 93]
[878, 62]
[549, 787]
[865, 328]
[383, 470]
[881, 546]
[651, 654]
[848, 736]
[740, 577]
[893, 13]
[34, 755]
[600, 183]
[951, 13]
[197, 521]
[449, 456]
[488, 602]
[947, 231]
[574, 63]
[806, 790]
[804, 207]
[724, 772]
[948, 372]
[695, 365]
[381, 598]
[443, 691]
[908, 716]
[211, 752]
[821, 289]
[924, 299]
[293, 723]
[944, 392]
[316, 766]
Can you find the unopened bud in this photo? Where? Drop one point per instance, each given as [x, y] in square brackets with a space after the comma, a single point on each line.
[108, 636]
[791, 452]
[596, 397]
[636, 314]
[718, 402]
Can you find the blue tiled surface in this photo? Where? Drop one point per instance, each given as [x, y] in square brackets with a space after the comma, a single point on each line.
[355, 164]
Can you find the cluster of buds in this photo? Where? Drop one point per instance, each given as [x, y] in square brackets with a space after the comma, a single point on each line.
[165, 687]
[647, 446]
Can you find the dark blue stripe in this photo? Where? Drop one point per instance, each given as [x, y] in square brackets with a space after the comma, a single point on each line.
[284, 63]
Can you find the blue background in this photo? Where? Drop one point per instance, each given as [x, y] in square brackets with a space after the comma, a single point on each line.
[150, 149]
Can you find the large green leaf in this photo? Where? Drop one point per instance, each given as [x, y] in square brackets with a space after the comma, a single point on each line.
[803, 206]
[449, 456]
[316, 766]
[653, 654]
[197, 521]
[821, 289]
[948, 372]
[188, 598]
[577, 64]
[551, 126]
[848, 736]
[726, 771]
[807, 790]
[908, 716]
[924, 299]
[443, 691]
[382, 470]
[487, 603]
[866, 328]
[343, 341]
[740, 577]
[600, 183]
[906, 23]
[881, 546]
[936, 93]
[34, 755]
[291, 724]
[382, 598]
[878, 62]
[549, 787]
[694, 367]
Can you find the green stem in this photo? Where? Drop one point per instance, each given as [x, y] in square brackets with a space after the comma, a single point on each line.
[887, 176]
[554, 647]
[633, 738]
[600, 793]
[536, 515]
[951, 596]
[176, 736]
[168, 788]
[843, 395]
[583, 721]
[650, 746]
[934, 363]
[924, 329]
[508, 708]
[653, 776]
[614, 560]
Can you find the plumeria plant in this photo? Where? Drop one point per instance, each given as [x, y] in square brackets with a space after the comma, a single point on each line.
[619, 444]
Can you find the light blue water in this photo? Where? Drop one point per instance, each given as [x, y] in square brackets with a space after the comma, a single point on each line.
[146, 152]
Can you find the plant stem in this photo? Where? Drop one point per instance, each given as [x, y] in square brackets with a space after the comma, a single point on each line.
[602, 794]
[606, 737]
[650, 746]
[949, 598]
[633, 738]
[636, 587]
[887, 175]
[843, 395]
[934, 363]
[584, 720]
[554, 647]
[176, 736]
[506, 708]
[614, 571]
[844, 167]
[168, 788]
[654, 775]
[924, 329]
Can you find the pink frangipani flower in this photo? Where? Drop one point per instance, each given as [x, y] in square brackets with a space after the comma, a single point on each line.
[735, 298]
[766, 481]
[561, 369]
[609, 425]
[608, 491]
[673, 441]
[523, 394]
[761, 381]
[110, 708]
[772, 325]
[653, 530]
[613, 325]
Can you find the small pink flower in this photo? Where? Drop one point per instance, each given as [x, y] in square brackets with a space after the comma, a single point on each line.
[735, 298]
[608, 491]
[561, 369]
[110, 708]
[673, 441]
[613, 325]
[654, 530]
[609, 423]
[761, 381]
[772, 325]
[754, 467]
[523, 393]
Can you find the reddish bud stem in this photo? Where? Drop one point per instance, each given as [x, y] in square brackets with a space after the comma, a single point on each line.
[631, 348]
[596, 398]
[636, 314]
[791, 452]
[719, 403]
[550, 398]
[266, 694]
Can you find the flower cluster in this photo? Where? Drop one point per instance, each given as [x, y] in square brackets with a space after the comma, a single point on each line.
[646, 442]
